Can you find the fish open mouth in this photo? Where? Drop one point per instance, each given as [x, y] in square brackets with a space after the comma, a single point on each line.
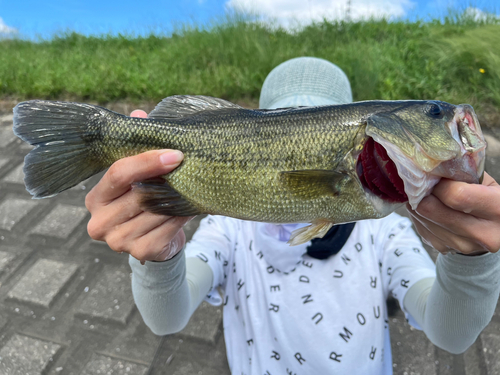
[378, 173]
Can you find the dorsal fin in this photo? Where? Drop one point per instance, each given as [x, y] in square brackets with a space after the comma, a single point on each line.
[178, 106]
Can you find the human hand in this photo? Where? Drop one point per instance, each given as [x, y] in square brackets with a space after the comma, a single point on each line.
[117, 217]
[460, 217]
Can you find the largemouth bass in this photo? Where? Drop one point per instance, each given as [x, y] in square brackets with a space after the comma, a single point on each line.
[324, 165]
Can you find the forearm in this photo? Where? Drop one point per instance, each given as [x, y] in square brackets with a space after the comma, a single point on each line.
[454, 308]
[167, 293]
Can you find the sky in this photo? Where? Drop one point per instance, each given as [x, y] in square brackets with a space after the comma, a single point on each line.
[33, 19]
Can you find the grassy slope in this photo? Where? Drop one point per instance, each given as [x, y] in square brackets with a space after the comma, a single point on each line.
[384, 60]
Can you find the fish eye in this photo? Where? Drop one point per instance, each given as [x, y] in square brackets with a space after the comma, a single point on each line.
[434, 110]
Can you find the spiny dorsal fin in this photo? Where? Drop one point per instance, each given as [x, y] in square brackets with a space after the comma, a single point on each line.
[158, 197]
[314, 182]
[178, 106]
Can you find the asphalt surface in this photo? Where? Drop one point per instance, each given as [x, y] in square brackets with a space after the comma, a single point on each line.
[66, 306]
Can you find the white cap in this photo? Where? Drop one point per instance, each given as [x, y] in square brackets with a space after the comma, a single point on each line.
[305, 81]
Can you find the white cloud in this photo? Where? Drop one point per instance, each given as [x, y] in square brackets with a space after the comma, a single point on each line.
[288, 12]
[479, 15]
[4, 29]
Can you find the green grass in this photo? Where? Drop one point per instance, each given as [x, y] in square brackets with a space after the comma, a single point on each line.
[384, 60]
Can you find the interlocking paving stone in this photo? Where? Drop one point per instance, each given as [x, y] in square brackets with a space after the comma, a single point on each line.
[3, 161]
[135, 342]
[181, 355]
[3, 323]
[491, 349]
[6, 136]
[405, 342]
[102, 365]
[205, 324]
[16, 176]
[13, 210]
[23, 355]
[61, 221]
[7, 118]
[188, 357]
[447, 363]
[473, 359]
[110, 298]
[5, 259]
[493, 149]
[82, 186]
[493, 156]
[185, 369]
[190, 369]
[41, 284]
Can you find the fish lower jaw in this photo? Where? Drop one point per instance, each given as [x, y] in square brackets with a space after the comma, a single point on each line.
[418, 183]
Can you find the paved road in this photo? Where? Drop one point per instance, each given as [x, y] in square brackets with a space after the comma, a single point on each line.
[66, 305]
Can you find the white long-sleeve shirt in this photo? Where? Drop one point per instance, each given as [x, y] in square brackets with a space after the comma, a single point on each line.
[285, 312]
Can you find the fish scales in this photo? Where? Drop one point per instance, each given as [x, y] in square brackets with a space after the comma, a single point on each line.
[255, 169]
[242, 154]
[306, 164]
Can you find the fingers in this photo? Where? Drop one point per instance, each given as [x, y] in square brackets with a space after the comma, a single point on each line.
[429, 238]
[460, 216]
[140, 225]
[124, 172]
[157, 237]
[444, 240]
[482, 201]
[435, 211]
[139, 113]
[163, 242]
[104, 218]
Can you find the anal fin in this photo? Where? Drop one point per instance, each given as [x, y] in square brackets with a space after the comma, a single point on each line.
[317, 229]
[158, 197]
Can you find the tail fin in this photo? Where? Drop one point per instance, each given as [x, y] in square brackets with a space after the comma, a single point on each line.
[65, 135]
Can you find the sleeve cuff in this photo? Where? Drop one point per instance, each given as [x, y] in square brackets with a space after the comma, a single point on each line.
[468, 277]
[159, 272]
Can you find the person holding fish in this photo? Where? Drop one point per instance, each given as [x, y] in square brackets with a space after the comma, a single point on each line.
[317, 306]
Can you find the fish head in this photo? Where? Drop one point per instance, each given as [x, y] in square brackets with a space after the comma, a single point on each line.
[417, 143]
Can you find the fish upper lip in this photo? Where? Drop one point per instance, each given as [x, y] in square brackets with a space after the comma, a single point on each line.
[466, 131]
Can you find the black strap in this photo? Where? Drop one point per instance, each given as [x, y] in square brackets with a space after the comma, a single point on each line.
[331, 243]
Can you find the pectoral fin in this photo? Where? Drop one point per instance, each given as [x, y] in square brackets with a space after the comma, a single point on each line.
[314, 182]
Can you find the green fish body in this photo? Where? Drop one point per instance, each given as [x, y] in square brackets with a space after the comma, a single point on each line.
[324, 165]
